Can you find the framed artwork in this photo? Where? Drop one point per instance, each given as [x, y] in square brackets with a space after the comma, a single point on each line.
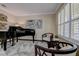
[38, 24]
[34, 24]
[30, 24]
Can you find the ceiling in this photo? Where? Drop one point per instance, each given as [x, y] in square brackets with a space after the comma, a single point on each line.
[24, 9]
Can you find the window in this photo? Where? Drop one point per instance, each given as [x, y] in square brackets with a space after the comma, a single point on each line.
[63, 21]
[67, 7]
[59, 18]
[59, 30]
[62, 16]
[75, 31]
[74, 10]
[66, 30]
[68, 19]
[59, 21]
[75, 21]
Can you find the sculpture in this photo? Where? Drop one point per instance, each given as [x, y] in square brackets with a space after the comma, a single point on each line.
[3, 21]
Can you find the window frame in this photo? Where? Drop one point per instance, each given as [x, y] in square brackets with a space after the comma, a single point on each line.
[63, 22]
[71, 19]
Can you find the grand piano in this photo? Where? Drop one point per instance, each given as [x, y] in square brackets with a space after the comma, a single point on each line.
[15, 32]
[19, 31]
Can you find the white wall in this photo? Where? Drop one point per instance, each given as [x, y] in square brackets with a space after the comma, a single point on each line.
[49, 23]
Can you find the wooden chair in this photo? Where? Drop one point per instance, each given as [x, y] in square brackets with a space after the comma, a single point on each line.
[47, 37]
[41, 51]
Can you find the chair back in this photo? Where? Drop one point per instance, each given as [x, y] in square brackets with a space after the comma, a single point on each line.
[47, 37]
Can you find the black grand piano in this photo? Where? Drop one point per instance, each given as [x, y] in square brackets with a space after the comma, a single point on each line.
[19, 31]
[15, 32]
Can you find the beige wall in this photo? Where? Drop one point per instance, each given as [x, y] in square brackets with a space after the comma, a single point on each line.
[49, 23]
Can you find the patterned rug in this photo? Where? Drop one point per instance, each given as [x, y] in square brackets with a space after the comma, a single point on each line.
[21, 48]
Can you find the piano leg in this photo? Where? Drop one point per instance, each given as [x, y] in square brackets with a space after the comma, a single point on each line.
[13, 41]
[17, 39]
[2, 43]
[33, 39]
[5, 44]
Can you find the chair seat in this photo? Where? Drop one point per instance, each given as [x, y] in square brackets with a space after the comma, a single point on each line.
[46, 38]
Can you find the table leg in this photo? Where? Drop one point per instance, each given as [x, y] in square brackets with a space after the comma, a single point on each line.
[17, 39]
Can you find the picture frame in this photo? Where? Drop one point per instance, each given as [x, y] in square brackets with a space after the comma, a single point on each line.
[34, 24]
